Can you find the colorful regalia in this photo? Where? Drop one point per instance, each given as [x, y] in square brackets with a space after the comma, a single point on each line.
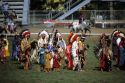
[105, 54]
[105, 60]
[48, 58]
[51, 50]
[69, 37]
[42, 41]
[6, 48]
[34, 51]
[115, 49]
[82, 53]
[75, 54]
[73, 38]
[69, 60]
[61, 43]
[56, 64]
[3, 43]
[41, 56]
[15, 47]
[121, 44]
[61, 48]
[61, 55]
[25, 49]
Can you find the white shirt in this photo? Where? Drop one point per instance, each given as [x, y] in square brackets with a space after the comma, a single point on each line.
[5, 7]
[118, 41]
[74, 48]
[41, 42]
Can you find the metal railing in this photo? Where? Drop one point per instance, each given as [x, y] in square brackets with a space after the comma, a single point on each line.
[36, 16]
[101, 17]
[67, 6]
[39, 15]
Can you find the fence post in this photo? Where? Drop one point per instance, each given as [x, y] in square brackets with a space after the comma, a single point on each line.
[111, 10]
[25, 12]
[48, 15]
[29, 19]
[72, 17]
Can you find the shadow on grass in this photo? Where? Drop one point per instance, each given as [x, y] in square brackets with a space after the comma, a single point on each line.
[122, 68]
[96, 69]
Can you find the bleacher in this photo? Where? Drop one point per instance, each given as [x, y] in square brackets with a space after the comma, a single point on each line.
[17, 6]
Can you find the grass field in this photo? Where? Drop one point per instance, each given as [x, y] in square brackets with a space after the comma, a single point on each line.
[10, 72]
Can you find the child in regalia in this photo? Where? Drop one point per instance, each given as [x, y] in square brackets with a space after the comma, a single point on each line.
[48, 57]
[56, 64]
[42, 57]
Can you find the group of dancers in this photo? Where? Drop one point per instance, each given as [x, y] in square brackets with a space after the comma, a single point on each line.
[104, 53]
[53, 53]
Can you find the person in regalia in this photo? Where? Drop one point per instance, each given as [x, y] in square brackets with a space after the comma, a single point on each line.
[25, 49]
[15, 47]
[61, 49]
[82, 51]
[105, 54]
[75, 49]
[42, 57]
[48, 57]
[68, 58]
[56, 64]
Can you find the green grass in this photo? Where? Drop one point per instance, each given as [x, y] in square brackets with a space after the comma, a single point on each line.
[10, 73]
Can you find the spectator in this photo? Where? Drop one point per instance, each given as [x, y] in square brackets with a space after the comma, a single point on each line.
[12, 15]
[5, 7]
[55, 4]
[81, 19]
[60, 7]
